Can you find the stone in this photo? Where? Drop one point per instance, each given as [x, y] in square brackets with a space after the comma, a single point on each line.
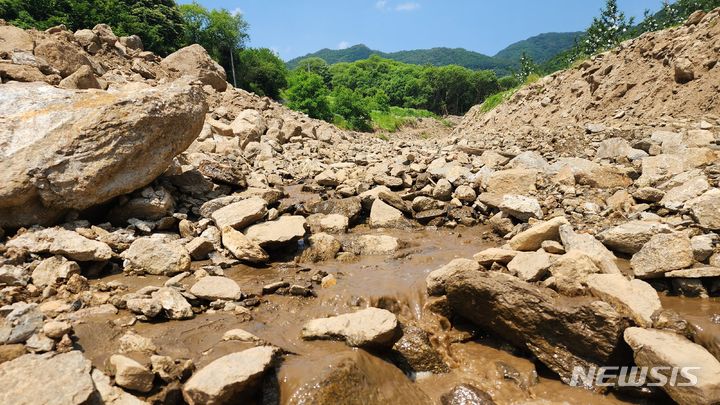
[372, 245]
[495, 255]
[658, 168]
[21, 321]
[521, 207]
[563, 333]
[82, 79]
[532, 238]
[64, 378]
[39, 344]
[53, 270]
[149, 204]
[656, 348]
[695, 272]
[57, 329]
[552, 247]
[465, 194]
[435, 281]
[242, 247]
[333, 223]
[684, 70]
[322, 247]
[370, 327]
[195, 62]
[530, 266]
[631, 236]
[705, 209]
[283, 231]
[111, 395]
[199, 248]
[21, 73]
[649, 194]
[62, 55]
[677, 196]
[173, 303]
[513, 181]
[157, 257]
[570, 271]
[93, 149]
[214, 288]
[13, 275]
[241, 214]
[442, 190]
[59, 241]
[240, 335]
[230, 378]
[148, 307]
[662, 253]
[350, 207]
[133, 42]
[603, 258]
[248, 126]
[634, 298]
[466, 394]
[529, 160]
[130, 374]
[384, 216]
[15, 39]
[702, 246]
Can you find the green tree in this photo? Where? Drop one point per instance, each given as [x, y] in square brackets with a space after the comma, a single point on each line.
[351, 106]
[527, 67]
[318, 66]
[307, 92]
[607, 30]
[261, 71]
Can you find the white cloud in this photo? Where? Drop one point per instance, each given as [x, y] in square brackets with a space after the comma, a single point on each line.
[237, 11]
[381, 4]
[410, 6]
[343, 45]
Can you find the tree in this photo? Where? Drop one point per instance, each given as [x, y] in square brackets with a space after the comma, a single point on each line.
[261, 71]
[318, 66]
[527, 67]
[607, 30]
[306, 92]
[352, 107]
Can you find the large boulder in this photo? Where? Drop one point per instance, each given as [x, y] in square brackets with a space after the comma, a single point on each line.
[370, 327]
[157, 257]
[66, 150]
[62, 379]
[230, 378]
[15, 39]
[561, 332]
[194, 61]
[64, 56]
[664, 252]
[635, 298]
[631, 236]
[59, 241]
[282, 231]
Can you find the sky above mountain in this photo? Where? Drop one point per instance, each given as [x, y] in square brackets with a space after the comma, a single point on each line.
[294, 28]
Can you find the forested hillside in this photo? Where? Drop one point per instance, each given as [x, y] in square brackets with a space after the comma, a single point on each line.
[540, 48]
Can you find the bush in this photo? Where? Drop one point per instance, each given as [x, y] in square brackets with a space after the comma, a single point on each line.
[306, 92]
[352, 108]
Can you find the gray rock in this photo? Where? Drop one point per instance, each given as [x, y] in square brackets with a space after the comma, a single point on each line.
[59, 241]
[130, 374]
[662, 253]
[283, 231]
[54, 270]
[157, 257]
[631, 236]
[21, 321]
[174, 303]
[530, 266]
[241, 214]
[532, 238]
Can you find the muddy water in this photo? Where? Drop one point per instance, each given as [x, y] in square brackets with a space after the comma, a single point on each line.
[510, 379]
[702, 316]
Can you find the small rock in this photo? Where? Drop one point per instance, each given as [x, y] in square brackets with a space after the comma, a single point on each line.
[662, 253]
[530, 266]
[532, 238]
[241, 214]
[243, 248]
[157, 257]
[130, 374]
[436, 279]
[54, 270]
[283, 231]
[214, 288]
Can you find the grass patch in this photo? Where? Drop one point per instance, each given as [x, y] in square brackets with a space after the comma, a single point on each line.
[496, 99]
[397, 117]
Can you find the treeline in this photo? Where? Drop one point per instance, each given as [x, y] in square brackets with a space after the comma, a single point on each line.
[347, 93]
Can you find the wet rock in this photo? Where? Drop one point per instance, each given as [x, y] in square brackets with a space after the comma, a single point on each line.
[59, 241]
[333, 223]
[230, 378]
[414, 352]
[148, 307]
[240, 335]
[322, 247]
[21, 321]
[157, 257]
[530, 266]
[561, 333]
[631, 236]
[241, 214]
[384, 216]
[436, 280]
[349, 378]
[130, 374]
[495, 255]
[592, 247]
[242, 247]
[571, 270]
[89, 155]
[371, 327]
[688, 287]
[64, 378]
[634, 298]
[662, 253]
[174, 303]
[82, 79]
[171, 370]
[532, 238]
[372, 245]
[706, 209]
[655, 348]
[54, 270]
[466, 394]
[283, 231]
[350, 207]
[521, 207]
[216, 288]
[194, 61]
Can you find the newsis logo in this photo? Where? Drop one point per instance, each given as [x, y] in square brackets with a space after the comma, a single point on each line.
[634, 376]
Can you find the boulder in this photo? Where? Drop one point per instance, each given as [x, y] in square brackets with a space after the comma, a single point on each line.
[216, 288]
[133, 42]
[532, 238]
[173, 303]
[436, 279]
[372, 245]
[677, 196]
[59, 241]
[199, 248]
[130, 374]
[321, 247]
[241, 214]
[662, 253]
[513, 181]
[21, 321]
[521, 207]
[592, 247]
[248, 126]
[157, 257]
[384, 216]
[243, 248]
[370, 327]
[15, 39]
[112, 395]
[229, 379]
[82, 79]
[530, 266]
[64, 378]
[21, 73]
[194, 61]
[333, 223]
[563, 333]
[657, 348]
[658, 168]
[495, 255]
[62, 55]
[350, 207]
[283, 231]
[54, 270]
[705, 209]
[91, 152]
[13, 275]
[634, 298]
[631, 236]
[684, 70]
[571, 270]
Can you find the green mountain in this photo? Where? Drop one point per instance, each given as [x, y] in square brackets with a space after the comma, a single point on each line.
[541, 47]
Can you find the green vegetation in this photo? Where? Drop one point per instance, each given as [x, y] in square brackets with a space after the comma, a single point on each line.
[396, 117]
[541, 48]
[261, 71]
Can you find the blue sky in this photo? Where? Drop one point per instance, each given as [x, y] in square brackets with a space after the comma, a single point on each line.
[294, 28]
